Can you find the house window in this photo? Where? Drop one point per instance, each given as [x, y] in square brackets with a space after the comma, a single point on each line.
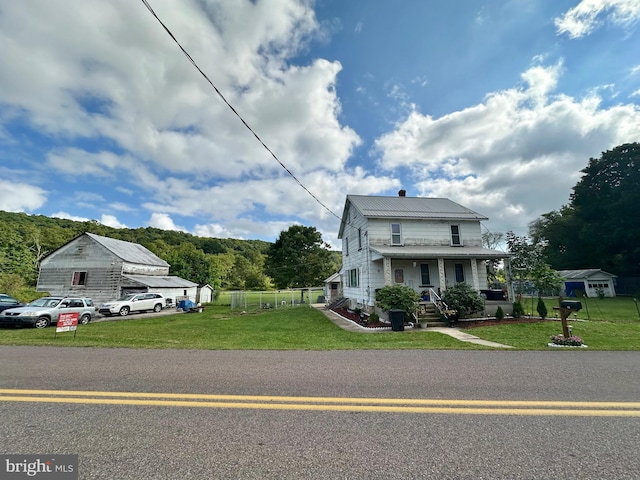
[359, 239]
[399, 275]
[455, 235]
[424, 274]
[396, 234]
[79, 278]
[459, 269]
[346, 246]
[354, 277]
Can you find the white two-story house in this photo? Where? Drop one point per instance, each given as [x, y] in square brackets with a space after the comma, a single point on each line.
[424, 243]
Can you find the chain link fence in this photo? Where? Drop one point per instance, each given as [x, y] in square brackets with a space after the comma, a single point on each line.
[248, 300]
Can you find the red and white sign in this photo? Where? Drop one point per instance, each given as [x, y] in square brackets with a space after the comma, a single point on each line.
[67, 322]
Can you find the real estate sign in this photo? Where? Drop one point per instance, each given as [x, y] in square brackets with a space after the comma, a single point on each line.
[67, 322]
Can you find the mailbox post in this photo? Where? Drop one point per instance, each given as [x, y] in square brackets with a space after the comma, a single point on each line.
[567, 307]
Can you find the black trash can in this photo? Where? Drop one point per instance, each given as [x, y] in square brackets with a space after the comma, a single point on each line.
[397, 320]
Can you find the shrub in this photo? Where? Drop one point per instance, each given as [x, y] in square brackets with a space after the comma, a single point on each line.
[463, 298]
[397, 297]
[518, 310]
[542, 309]
[499, 313]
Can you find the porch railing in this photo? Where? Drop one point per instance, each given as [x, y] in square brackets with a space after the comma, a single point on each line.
[442, 307]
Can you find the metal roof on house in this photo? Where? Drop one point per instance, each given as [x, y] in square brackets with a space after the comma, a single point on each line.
[423, 252]
[584, 273]
[129, 252]
[161, 281]
[412, 207]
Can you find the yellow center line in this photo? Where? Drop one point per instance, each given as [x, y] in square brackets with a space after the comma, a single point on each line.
[335, 408]
[341, 400]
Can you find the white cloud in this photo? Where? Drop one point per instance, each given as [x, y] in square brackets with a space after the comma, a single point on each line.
[20, 197]
[68, 216]
[167, 133]
[514, 156]
[583, 19]
[111, 221]
[164, 222]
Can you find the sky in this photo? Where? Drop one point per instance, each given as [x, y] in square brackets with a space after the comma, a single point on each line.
[494, 104]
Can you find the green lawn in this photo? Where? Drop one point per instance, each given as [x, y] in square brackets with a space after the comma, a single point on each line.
[618, 309]
[303, 328]
[217, 328]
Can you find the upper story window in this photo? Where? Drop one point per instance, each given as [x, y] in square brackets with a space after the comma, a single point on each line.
[346, 246]
[79, 278]
[456, 239]
[359, 239]
[396, 234]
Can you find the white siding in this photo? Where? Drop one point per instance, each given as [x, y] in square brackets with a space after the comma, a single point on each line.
[424, 232]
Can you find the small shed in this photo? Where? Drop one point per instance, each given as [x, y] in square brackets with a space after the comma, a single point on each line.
[205, 294]
[593, 281]
[333, 288]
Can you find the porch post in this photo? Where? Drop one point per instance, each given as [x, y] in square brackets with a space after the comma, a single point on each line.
[474, 275]
[441, 277]
[386, 266]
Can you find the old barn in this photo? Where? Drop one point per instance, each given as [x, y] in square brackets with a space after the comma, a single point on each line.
[104, 268]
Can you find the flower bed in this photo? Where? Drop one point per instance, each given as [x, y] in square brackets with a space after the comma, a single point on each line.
[572, 341]
[355, 317]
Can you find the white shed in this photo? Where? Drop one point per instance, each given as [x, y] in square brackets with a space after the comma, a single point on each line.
[593, 281]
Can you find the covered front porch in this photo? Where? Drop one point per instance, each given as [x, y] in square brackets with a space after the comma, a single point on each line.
[426, 268]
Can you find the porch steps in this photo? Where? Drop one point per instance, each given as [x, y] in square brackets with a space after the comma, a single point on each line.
[428, 316]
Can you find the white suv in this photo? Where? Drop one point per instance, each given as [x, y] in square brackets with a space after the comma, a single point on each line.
[133, 302]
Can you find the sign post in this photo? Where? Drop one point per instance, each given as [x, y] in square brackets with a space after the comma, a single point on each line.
[67, 322]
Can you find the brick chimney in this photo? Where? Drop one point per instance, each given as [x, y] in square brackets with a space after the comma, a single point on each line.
[402, 193]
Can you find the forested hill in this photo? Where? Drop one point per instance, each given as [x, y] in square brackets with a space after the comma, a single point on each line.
[26, 239]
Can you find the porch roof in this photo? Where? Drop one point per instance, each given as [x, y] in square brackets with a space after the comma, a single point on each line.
[161, 281]
[424, 252]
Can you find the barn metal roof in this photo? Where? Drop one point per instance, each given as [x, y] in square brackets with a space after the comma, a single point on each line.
[161, 281]
[129, 252]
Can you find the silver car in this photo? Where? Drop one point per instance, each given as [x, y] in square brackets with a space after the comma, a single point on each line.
[45, 311]
[133, 302]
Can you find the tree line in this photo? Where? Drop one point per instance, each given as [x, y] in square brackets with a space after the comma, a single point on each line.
[298, 259]
[600, 226]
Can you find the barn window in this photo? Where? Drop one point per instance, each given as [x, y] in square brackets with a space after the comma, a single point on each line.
[79, 278]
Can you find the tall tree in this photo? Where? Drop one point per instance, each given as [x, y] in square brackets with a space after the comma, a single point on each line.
[599, 228]
[528, 267]
[299, 258]
[492, 240]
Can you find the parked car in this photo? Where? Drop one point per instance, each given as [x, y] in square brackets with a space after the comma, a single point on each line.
[7, 301]
[45, 311]
[133, 302]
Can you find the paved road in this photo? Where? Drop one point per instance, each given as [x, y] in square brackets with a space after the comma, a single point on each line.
[250, 436]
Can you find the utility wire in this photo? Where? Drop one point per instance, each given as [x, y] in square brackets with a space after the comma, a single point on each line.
[146, 4]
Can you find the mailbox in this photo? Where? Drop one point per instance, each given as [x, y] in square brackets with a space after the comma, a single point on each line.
[571, 305]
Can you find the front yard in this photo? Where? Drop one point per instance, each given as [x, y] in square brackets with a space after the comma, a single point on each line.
[305, 328]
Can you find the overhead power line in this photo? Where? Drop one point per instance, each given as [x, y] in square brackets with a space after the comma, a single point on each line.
[146, 4]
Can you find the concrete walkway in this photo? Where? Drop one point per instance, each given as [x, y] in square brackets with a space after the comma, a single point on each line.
[465, 337]
[456, 333]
